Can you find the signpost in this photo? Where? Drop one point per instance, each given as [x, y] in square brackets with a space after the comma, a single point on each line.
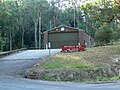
[49, 46]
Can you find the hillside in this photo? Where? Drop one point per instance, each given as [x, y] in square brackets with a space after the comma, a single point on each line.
[94, 64]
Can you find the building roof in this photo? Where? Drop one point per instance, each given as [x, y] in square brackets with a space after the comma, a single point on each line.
[63, 26]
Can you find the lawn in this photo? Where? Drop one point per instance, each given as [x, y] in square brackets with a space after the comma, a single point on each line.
[90, 59]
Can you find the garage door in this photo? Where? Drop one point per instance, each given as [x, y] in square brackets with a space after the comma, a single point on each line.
[63, 38]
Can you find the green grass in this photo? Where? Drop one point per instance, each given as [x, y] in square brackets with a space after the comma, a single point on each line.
[108, 79]
[90, 59]
[115, 78]
[102, 79]
[59, 62]
[48, 78]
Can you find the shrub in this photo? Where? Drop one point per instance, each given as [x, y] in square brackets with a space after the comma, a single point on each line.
[104, 34]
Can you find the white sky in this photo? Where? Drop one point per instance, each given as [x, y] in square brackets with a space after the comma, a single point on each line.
[65, 3]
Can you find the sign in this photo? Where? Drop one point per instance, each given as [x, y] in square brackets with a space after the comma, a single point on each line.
[79, 44]
[46, 46]
[49, 45]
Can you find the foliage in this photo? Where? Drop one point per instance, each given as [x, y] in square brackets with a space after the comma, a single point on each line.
[19, 19]
[2, 42]
[99, 12]
[48, 78]
[115, 78]
[104, 34]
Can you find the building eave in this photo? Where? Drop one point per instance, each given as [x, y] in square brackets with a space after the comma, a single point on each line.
[63, 26]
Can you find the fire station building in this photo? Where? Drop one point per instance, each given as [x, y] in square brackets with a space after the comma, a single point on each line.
[65, 35]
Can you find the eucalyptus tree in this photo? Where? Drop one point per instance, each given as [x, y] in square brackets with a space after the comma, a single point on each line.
[75, 5]
[9, 21]
[2, 13]
[90, 11]
[53, 12]
[33, 8]
[22, 19]
[43, 11]
[110, 13]
[70, 13]
[100, 12]
[37, 10]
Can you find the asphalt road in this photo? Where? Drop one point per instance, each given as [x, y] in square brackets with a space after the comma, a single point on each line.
[11, 83]
[16, 64]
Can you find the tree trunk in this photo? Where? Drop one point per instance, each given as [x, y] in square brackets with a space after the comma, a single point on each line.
[39, 31]
[10, 40]
[74, 17]
[35, 34]
[87, 23]
[78, 19]
[22, 31]
[50, 24]
[22, 37]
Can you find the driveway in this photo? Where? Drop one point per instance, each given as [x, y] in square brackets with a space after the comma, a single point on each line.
[16, 64]
[12, 83]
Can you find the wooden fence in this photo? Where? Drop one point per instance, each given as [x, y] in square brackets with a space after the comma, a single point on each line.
[10, 52]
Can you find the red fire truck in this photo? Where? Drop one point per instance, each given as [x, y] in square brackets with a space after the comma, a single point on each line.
[73, 48]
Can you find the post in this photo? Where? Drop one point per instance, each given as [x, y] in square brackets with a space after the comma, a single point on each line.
[119, 72]
[49, 46]
[46, 46]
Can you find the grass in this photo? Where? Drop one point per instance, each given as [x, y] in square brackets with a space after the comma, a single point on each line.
[108, 78]
[101, 56]
[92, 58]
[59, 62]
[115, 78]
[48, 78]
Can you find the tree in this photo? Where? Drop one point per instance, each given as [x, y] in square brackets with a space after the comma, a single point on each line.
[104, 34]
[23, 24]
[9, 20]
[99, 12]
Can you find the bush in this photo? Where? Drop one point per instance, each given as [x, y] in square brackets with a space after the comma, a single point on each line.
[2, 43]
[104, 34]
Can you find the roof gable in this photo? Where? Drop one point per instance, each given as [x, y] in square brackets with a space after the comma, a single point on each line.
[62, 26]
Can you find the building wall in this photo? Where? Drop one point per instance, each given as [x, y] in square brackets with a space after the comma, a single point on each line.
[87, 39]
[81, 37]
[45, 39]
[54, 35]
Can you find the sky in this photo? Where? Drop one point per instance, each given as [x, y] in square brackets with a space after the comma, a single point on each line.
[65, 3]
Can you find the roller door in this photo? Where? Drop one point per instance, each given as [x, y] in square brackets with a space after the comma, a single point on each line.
[63, 38]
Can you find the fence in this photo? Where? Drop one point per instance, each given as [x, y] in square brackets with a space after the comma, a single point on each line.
[10, 52]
